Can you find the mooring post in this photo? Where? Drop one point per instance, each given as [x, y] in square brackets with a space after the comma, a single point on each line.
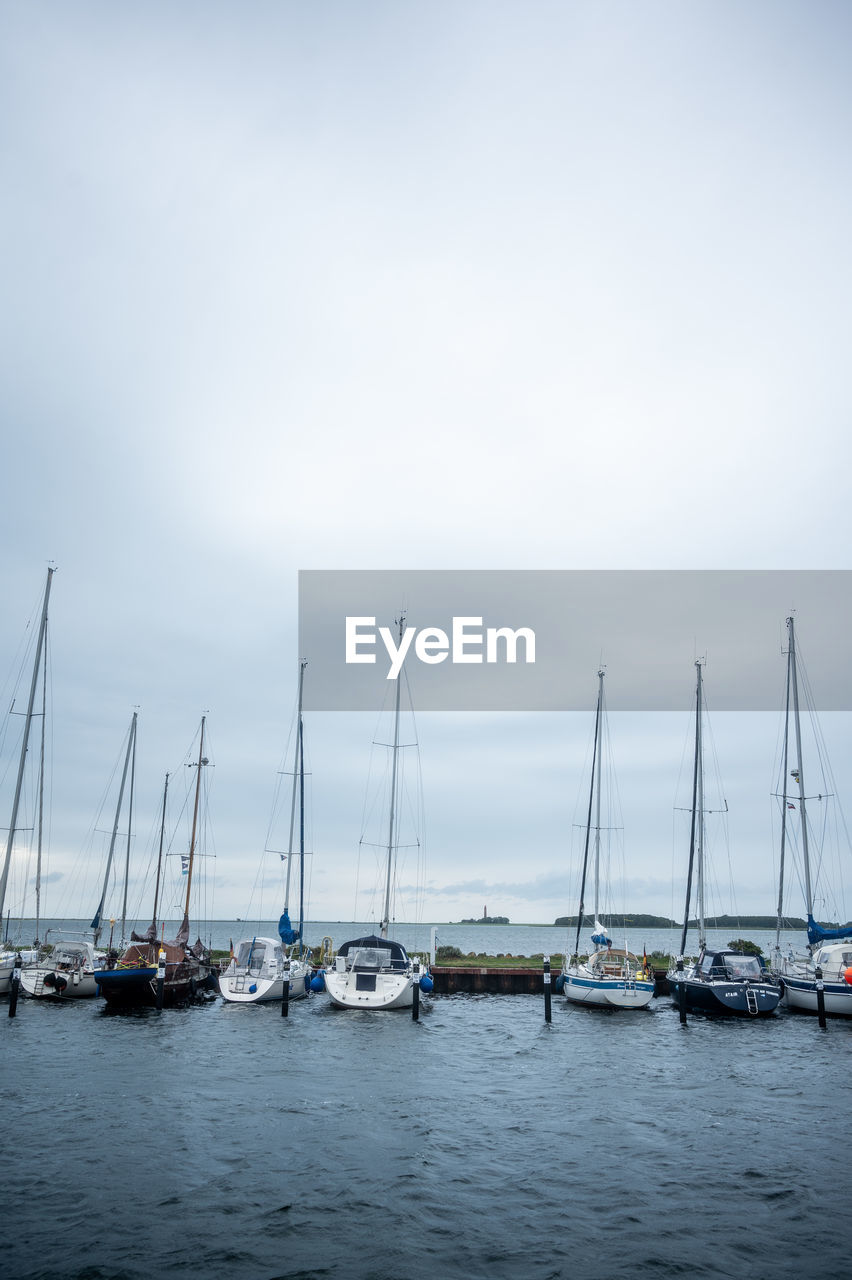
[681, 991]
[14, 984]
[415, 992]
[161, 977]
[285, 991]
[547, 1014]
[820, 993]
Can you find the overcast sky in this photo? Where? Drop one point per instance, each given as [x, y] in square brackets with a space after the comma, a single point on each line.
[387, 285]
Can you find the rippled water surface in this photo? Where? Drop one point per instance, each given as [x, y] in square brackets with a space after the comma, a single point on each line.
[480, 1142]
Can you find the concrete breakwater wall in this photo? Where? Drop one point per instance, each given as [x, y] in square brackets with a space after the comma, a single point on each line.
[475, 980]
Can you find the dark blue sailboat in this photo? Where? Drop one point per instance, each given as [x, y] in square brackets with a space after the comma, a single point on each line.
[725, 982]
[719, 981]
[152, 972]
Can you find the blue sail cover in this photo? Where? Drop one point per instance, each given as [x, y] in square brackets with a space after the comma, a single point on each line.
[600, 937]
[816, 933]
[286, 932]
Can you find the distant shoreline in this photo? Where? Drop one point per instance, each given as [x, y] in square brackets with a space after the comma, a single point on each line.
[627, 920]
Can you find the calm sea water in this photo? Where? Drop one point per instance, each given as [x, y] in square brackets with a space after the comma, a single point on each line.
[220, 1141]
[516, 939]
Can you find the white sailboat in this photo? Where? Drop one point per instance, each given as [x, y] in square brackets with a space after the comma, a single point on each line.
[374, 972]
[611, 977]
[66, 969]
[829, 953]
[11, 958]
[261, 965]
[66, 972]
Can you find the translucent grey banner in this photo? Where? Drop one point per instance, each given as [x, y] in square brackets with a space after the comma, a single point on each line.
[534, 640]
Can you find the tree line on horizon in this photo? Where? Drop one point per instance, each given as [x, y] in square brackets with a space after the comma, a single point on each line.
[640, 921]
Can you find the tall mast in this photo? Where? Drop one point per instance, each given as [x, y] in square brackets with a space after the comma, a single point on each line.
[201, 761]
[96, 922]
[784, 805]
[302, 664]
[595, 753]
[701, 879]
[697, 769]
[598, 796]
[41, 796]
[805, 855]
[129, 831]
[13, 821]
[386, 914]
[160, 858]
[301, 832]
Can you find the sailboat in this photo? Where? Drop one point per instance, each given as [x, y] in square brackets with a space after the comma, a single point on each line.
[66, 970]
[375, 972]
[610, 977]
[154, 972]
[830, 949]
[719, 981]
[11, 958]
[261, 965]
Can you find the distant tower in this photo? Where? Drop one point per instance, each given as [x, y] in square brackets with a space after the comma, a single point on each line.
[484, 913]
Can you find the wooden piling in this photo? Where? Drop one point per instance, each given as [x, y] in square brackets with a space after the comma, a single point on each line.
[285, 991]
[14, 985]
[820, 995]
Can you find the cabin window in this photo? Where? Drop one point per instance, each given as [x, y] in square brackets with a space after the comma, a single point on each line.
[250, 957]
[739, 967]
[373, 958]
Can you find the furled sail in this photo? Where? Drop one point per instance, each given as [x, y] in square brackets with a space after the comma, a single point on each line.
[599, 937]
[286, 932]
[816, 932]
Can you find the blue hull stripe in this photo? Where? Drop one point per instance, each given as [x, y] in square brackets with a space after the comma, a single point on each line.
[614, 984]
[808, 985]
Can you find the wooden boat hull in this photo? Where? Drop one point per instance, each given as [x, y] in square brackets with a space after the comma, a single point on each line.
[725, 997]
[137, 987]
